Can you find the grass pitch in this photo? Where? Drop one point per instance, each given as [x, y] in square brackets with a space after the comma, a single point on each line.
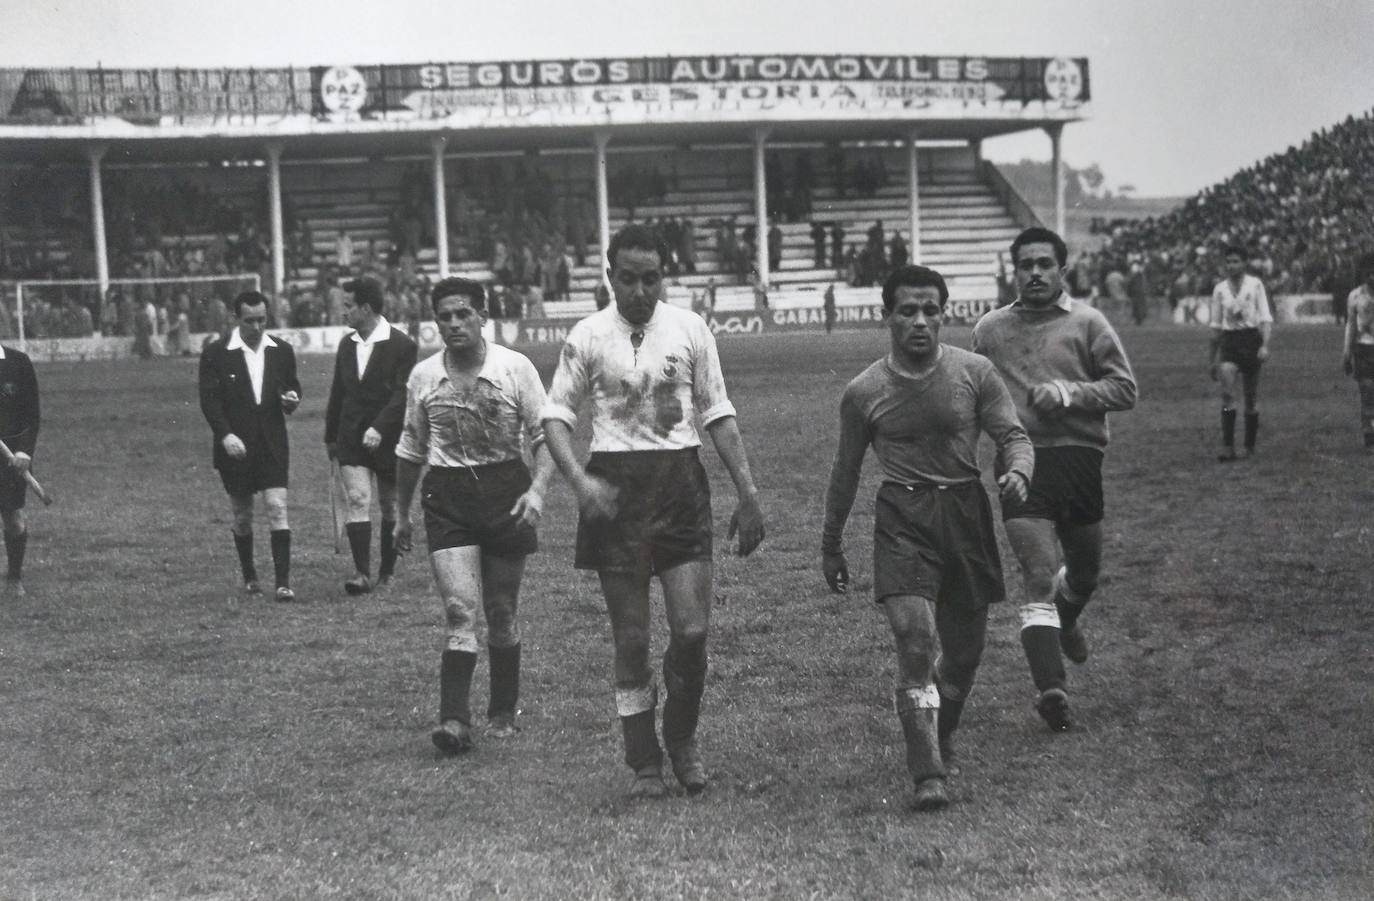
[165, 737]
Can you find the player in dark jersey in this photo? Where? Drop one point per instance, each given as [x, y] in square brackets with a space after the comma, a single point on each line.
[935, 562]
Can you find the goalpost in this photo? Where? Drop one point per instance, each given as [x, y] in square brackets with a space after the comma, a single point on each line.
[68, 296]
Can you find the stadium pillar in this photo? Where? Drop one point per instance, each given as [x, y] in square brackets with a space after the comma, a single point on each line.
[603, 202]
[274, 150]
[436, 148]
[96, 153]
[1056, 133]
[913, 181]
[761, 207]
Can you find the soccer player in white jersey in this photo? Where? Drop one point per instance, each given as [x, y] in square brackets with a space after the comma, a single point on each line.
[471, 412]
[1358, 356]
[1241, 326]
[649, 371]
[936, 567]
[1066, 370]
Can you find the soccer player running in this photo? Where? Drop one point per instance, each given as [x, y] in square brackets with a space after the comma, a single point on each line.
[1066, 369]
[649, 370]
[248, 384]
[1241, 325]
[1358, 356]
[362, 424]
[19, 421]
[470, 412]
[935, 561]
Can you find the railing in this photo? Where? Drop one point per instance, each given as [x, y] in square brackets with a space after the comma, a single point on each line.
[1020, 209]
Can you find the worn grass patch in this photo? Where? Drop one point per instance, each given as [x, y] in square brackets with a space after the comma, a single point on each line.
[165, 737]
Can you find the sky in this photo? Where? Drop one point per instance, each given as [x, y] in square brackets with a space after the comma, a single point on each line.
[1185, 92]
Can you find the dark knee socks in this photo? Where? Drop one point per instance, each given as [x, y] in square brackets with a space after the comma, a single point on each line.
[920, 731]
[684, 675]
[1251, 428]
[641, 742]
[244, 545]
[15, 545]
[360, 543]
[281, 556]
[388, 548]
[1041, 644]
[505, 679]
[455, 683]
[1228, 427]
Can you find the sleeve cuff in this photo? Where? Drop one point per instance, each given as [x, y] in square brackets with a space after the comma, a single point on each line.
[719, 411]
[406, 453]
[559, 413]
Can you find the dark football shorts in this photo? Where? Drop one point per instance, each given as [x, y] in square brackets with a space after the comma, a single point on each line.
[1066, 487]
[13, 490]
[1364, 361]
[257, 473]
[936, 542]
[472, 506]
[663, 515]
[382, 461]
[1241, 347]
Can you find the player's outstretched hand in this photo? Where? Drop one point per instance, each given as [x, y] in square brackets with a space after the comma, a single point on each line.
[21, 463]
[1012, 487]
[234, 446]
[401, 536]
[596, 497]
[836, 570]
[372, 439]
[528, 508]
[290, 400]
[747, 520]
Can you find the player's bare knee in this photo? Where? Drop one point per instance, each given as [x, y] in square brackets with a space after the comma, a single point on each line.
[460, 625]
[14, 522]
[502, 629]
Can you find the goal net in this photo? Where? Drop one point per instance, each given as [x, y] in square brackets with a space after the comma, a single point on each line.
[74, 308]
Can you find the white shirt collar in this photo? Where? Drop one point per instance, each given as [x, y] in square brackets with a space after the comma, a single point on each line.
[380, 333]
[2, 353]
[236, 342]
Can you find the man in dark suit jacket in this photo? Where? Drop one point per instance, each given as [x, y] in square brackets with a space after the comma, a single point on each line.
[367, 405]
[19, 430]
[247, 385]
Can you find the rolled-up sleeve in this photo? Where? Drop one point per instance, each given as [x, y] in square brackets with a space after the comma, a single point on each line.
[708, 382]
[414, 443]
[569, 387]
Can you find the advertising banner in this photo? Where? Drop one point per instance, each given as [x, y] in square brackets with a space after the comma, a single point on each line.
[559, 91]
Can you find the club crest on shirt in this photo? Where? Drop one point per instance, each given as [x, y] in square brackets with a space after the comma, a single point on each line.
[9, 389]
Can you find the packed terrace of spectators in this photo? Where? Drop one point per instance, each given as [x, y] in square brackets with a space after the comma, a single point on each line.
[1305, 215]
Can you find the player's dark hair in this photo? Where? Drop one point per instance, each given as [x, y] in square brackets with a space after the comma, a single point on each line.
[1366, 265]
[1040, 235]
[636, 237]
[454, 286]
[912, 277]
[367, 292]
[248, 299]
[1234, 250]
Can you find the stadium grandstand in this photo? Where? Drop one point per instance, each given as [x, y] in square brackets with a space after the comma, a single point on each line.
[1305, 215]
[770, 178]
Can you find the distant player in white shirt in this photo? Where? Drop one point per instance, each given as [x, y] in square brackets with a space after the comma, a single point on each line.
[1241, 325]
[650, 370]
[1358, 347]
